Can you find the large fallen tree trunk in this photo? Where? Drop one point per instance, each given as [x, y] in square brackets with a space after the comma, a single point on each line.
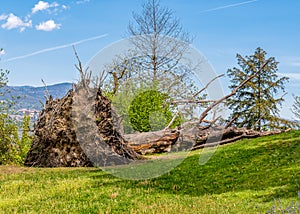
[189, 139]
[153, 142]
[220, 136]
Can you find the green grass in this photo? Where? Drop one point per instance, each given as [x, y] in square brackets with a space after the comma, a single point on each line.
[250, 176]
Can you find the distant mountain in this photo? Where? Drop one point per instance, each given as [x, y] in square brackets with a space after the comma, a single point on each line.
[32, 97]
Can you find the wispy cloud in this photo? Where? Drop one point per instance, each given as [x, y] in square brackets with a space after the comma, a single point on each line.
[292, 76]
[295, 64]
[2, 52]
[55, 48]
[48, 26]
[292, 61]
[3, 17]
[228, 6]
[82, 1]
[65, 7]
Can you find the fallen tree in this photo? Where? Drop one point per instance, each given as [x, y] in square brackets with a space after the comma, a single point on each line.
[190, 139]
[153, 142]
[198, 136]
[209, 138]
[66, 135]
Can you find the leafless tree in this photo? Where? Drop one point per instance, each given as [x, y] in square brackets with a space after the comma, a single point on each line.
[154, 28]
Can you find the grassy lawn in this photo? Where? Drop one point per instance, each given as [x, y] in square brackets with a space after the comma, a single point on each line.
[250, 176]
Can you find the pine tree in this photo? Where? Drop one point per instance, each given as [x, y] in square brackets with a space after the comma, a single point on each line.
[255, 105]
[296, 107]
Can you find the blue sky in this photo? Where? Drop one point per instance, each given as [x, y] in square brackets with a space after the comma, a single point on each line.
[36, 35]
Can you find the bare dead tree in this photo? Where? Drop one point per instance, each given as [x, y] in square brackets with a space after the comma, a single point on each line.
[85, 75]
[192, 99]
[87, 80]
[47, 94]
[155, 62]
[154, 26]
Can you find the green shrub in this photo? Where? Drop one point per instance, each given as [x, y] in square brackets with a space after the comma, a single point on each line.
[149, 111]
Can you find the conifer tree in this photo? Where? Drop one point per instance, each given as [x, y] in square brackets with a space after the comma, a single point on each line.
[296, 107]
[256, 105]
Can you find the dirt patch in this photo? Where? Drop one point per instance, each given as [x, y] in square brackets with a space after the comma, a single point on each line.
[6, 170]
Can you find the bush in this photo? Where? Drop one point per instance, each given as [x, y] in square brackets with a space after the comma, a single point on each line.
[149, 111]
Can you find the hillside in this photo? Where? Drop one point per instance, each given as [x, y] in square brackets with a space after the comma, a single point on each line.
[250, 176]
[31, 97]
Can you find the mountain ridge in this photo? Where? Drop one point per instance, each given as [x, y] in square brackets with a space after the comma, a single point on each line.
[32, 97]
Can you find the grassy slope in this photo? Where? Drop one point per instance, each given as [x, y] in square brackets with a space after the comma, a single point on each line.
[251, 176]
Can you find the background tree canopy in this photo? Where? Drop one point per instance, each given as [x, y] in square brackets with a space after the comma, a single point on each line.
[13, 148]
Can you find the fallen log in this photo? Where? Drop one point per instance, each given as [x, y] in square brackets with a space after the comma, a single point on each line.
[189, 139]
[222, 135]
[152, 142]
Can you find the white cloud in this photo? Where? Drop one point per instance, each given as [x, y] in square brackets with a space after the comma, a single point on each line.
[3, 17]
[42, 5]
[13, 21]
[64, 7]
[54, 4]
[48, 26]
[292, 76]
[2, 52]
[82, 1]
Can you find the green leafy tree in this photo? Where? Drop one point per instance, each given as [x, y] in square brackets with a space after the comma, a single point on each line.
[8, 127]
[296, 107]
[13, 149]
[255, 105]
[26, 139]
[150, 112]
[8, 140]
